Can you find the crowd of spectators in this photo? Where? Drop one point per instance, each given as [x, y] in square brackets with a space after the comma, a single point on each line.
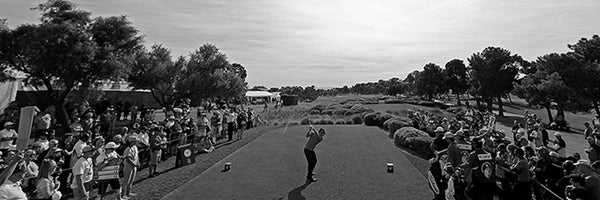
[474, 160]
[122, 135]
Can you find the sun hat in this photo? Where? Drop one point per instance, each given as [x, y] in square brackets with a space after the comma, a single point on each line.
[439, 129]
[8, 124]
[448, 135]
[111, 145]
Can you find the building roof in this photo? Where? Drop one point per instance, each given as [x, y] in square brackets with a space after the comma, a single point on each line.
[258, 94]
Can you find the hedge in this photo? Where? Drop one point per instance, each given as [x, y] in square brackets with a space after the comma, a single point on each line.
[357, 119]
[391, 125]
[382, 118]
[371, 118]
[421, 145]
[404, 133]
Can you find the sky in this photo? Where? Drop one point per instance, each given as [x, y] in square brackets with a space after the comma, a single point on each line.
[332, 43]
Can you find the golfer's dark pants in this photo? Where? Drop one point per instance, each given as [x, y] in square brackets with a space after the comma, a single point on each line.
[311, 158]
[230, 129]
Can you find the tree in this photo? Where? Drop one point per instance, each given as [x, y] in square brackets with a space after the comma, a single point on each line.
[456, 77]
[309, 93]
[430, 81]
[208, 74]
[155, 71]
[588, 51]
[411, 80]
[69, 50]
[273, 89]
[492, 73]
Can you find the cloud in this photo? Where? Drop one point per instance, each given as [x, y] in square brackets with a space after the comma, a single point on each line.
[342, 42]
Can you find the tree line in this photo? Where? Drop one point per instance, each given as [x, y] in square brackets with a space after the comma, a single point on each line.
[69, 51]
[567, 81]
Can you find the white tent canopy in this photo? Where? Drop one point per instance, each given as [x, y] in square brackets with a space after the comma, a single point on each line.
[260, 96]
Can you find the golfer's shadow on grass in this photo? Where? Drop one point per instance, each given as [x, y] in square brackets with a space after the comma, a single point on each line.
[296, 193]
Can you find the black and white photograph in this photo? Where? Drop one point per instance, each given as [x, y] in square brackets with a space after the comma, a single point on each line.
[299, 99]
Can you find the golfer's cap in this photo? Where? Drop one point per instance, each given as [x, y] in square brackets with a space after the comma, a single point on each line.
[439, 129]
[8, 124]
[553, 153]
[68, 134]
[448, 135]
[87, 148]
[53, 141]
[557, 134]
[117, 136]
[582, 162]
[111, 145]
[460, 133]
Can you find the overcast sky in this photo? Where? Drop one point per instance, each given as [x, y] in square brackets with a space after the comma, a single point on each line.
[335, 43]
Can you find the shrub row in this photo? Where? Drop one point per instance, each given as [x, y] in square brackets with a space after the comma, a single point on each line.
[415, 139]
[340, 110]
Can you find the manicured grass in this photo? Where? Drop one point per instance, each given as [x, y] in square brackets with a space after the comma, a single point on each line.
[171, 178]
[351, 165]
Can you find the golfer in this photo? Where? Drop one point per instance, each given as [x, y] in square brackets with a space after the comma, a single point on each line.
[314, 138]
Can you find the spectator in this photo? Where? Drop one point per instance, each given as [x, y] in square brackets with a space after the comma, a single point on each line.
[483, 176]
[241, 123]
[593, 150]
[251, 118]
[31, 170]
[157, 143]
[7, 137]
[109, 158]
[46, 186]
[561, 146]
[215, 122]
[231, 119]
[118, 139]
[134, 113]
[126, 109]
[118, 109]
[131, 163]
[83, 174]
[439, 143]
[522, 188]
[576, 190]
[450, 175]
[10, 179]
[53, 147]
[78, 148]
[43, 141]
[587, 131]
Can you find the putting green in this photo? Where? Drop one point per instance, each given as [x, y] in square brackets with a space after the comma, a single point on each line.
[351, 165]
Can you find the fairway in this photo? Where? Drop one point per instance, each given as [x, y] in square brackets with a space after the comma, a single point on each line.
[351, 165]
